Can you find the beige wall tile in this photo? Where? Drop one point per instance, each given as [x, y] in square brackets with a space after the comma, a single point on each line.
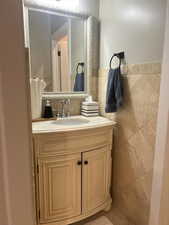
[127, 166]
[134, 140]
[143, 150]
[146, 68]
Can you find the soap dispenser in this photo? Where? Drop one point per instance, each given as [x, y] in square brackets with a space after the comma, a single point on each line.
[48, 113]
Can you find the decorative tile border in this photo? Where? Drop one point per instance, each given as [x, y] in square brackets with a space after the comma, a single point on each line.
[146, 68]
[138, 69]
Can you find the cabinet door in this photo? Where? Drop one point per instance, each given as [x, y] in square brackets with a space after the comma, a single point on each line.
[59, 188]
[96, 178]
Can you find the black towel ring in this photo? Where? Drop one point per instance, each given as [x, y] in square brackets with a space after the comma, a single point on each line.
[119, 55]
[78, 65]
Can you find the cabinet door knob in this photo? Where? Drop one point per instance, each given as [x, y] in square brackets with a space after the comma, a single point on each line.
[85, 162]
[79, 163]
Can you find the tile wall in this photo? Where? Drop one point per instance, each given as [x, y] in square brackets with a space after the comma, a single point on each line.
[134, 139]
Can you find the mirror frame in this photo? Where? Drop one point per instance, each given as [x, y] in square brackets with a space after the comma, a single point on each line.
[90, 36]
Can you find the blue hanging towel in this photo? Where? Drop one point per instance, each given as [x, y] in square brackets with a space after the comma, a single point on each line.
[114, 96]
[79, 80]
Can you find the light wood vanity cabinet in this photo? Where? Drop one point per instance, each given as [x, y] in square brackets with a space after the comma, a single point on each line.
[59, 188]
[95, 178]
[72, 181]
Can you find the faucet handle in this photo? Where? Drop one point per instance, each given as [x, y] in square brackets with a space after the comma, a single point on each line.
[68, 108]
[58, 114]
[63, 101]
[68, 114]
[67, 101]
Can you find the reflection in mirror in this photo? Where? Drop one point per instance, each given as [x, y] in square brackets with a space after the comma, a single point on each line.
[57, 51]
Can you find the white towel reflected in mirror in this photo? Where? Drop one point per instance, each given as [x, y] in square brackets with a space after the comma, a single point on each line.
[37, 87]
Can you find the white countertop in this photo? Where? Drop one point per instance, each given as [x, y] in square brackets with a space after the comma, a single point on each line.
[70, 124]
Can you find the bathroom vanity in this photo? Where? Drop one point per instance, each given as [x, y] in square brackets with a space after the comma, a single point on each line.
[72, 161]
[72, 156]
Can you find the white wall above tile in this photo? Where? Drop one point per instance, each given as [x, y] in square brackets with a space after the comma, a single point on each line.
[136, 27]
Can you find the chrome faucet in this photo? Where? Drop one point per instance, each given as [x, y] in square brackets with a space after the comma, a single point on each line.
[68, 108]
[63, 103]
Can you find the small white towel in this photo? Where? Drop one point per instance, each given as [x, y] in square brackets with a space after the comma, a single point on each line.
[37, 86]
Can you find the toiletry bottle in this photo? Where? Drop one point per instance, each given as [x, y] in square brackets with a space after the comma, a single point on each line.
[48, 113]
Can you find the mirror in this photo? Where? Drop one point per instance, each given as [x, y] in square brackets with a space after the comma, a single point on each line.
[58, 51]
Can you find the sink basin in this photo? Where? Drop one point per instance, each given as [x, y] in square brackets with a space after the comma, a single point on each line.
[60, 123]
[71, 121]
